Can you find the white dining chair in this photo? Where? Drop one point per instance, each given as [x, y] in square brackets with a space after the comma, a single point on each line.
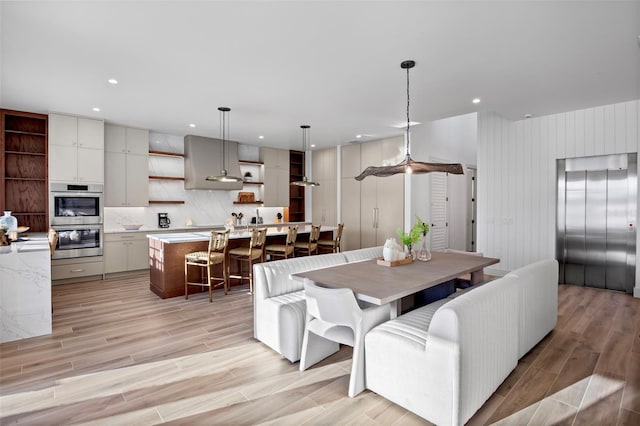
[334, 316]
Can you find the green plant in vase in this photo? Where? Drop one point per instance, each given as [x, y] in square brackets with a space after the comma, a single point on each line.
[422, 229]
[409, 239]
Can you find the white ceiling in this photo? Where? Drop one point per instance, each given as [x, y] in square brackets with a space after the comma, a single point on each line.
[333, 65]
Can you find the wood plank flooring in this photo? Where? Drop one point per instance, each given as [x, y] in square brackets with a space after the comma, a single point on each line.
[119, 355]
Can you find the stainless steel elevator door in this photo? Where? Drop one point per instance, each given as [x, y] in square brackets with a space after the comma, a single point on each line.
[596, 221]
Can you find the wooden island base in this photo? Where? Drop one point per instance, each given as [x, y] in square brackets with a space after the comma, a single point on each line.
[166, 258]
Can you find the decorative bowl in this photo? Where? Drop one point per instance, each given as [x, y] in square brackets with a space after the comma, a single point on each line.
[132, 227]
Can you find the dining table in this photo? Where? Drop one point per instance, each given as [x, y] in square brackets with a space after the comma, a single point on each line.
[380, 284]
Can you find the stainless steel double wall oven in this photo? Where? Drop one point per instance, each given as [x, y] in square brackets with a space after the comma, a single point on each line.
[76, 214]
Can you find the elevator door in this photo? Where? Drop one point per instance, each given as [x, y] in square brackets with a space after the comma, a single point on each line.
[596, 221]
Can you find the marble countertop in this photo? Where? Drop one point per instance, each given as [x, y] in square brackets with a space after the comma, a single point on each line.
[34, 242]
[185, 237]
[194, 228]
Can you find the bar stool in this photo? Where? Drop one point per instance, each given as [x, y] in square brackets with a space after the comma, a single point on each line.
[310, 246]
[284, 250]
[216, 254]
[332, 246]
[254, 251]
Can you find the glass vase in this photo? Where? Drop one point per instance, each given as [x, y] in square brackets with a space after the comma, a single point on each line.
[423, 253]
[9, 221]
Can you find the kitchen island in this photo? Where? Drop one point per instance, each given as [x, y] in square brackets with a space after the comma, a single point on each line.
[25, 289]
[166, 253]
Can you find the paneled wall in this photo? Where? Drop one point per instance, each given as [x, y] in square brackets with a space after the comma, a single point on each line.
[517, 174]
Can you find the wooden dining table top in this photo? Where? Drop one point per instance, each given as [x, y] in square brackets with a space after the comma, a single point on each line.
[380, 284]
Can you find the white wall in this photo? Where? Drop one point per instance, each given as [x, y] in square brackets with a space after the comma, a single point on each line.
[517, 174]
[448, 140]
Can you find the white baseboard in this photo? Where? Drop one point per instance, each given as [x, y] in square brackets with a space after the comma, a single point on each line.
[636, 292]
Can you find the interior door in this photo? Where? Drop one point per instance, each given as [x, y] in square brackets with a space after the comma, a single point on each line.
[439, 231]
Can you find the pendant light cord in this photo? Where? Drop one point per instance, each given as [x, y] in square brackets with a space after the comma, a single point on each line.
[408, 121]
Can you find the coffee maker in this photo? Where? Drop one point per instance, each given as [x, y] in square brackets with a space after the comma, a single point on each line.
[163, 220]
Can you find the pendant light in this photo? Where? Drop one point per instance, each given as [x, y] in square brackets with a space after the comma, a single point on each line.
[224, 175]
[408, 165]
[305, 181]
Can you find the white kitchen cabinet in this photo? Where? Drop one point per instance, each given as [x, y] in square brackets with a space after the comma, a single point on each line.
[76, 149]
[125, 252]
[372, 209]
[276, 177]
[324, 197]
[126, 167]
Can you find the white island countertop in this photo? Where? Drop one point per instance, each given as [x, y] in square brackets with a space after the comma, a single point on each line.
[25, 288]
[238, 233]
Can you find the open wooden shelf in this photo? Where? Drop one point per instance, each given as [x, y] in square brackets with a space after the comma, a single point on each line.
[166, 178]
[255, 163]
[252, 183]
[166, 201]
[166, 154]
[251, 202]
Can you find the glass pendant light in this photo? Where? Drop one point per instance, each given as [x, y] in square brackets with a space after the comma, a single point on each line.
[408, 165]
[305, 181]
[224, 174]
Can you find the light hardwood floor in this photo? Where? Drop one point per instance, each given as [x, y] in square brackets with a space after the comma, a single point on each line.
[119, 355]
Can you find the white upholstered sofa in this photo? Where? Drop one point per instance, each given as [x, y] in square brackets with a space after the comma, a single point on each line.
[444, 360]
[279, 304]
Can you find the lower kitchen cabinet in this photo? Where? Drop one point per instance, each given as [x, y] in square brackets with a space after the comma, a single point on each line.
[74, 269]
[126, 252]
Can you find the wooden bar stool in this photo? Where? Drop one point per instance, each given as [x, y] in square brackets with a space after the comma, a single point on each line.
[216, 254]
[309, 247]
[331, 246]
[284, 250]
[254, 251]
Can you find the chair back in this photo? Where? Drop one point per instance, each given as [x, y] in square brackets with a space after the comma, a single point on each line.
[258, 238]
[218, 241]
[332, 305]
[53, 240]
[339, 233]
[292, 234]
[314, 235]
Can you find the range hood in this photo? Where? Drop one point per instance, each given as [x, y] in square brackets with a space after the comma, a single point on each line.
[203, 157]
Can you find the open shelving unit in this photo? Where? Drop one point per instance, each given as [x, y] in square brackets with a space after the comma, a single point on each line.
[24, 158]
[166, 178]
[296, 193]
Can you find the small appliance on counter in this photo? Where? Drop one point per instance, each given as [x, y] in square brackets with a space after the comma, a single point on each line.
[163, 220]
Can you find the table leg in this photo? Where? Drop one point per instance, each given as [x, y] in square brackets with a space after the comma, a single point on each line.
[394, 309]
[477, 277]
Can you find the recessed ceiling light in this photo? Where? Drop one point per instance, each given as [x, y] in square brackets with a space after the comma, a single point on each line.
[112, 81]
[476, 100]
[528, 115]
[313, 145]
[96, 109]
[260, 137]
[358, 136]
[192, 125]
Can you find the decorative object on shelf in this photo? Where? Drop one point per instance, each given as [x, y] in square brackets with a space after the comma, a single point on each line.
[408, 165]
[248, 177]
[423, 253]
[9, 221]
[4, 238]
[392, 250]
[246, 197]
[278, 218]
[238, 218]
[224, 175]
[409, 239]
[305, 181]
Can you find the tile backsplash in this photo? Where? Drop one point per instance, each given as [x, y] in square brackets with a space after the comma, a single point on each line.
[200, 208]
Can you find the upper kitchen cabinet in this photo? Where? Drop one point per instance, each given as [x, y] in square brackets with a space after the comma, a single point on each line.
[324, 197]
[76, 149]
[276, 177]
[203, 157]
[126, 166]
[23, 155]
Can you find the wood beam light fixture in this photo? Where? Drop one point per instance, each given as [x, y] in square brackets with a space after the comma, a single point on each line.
[224, 174]
[408, 165]
[305, 181]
